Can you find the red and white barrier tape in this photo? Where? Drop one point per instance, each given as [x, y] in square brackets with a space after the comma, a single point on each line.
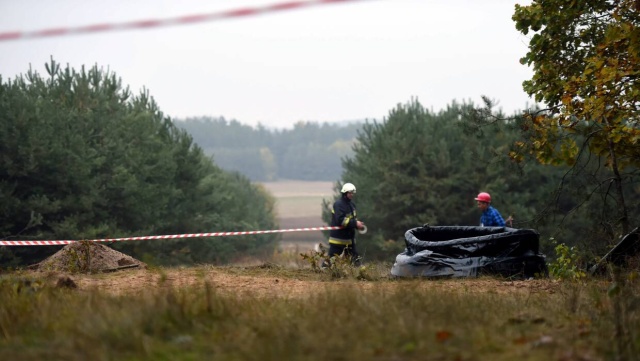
[191, 235]
[152, 23]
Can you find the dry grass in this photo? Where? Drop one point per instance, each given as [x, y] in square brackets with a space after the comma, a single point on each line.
[194, 314]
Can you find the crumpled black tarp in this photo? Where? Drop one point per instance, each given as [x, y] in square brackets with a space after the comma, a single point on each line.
[464, 251]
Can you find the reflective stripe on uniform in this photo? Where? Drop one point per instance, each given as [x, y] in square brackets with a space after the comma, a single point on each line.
[342, 242]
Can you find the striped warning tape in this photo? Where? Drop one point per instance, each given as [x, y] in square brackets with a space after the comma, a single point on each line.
[152, 23]
[173, 236]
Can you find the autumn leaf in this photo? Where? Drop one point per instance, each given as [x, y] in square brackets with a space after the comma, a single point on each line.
[442, 336]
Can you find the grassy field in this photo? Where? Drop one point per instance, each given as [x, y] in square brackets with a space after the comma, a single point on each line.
[270, 312]
[299, 199]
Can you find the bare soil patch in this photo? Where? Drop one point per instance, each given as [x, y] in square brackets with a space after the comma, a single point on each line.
[87, 257]
[252, 282]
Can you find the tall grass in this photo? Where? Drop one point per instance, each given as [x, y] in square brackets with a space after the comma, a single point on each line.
[387, 320]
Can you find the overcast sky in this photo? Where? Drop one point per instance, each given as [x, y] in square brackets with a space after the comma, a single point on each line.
[335, 62]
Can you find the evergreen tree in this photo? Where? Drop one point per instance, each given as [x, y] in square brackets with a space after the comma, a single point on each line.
[82, 158]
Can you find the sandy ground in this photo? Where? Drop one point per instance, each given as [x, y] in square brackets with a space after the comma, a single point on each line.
[136, 281]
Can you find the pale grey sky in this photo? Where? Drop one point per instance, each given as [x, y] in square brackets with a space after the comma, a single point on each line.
[329, 63]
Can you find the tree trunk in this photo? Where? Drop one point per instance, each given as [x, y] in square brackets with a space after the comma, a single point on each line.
[622, 208]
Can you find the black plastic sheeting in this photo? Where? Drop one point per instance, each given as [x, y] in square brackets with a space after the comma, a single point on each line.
[460, 251]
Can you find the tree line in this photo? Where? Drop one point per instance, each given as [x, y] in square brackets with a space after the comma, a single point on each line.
[308, 151]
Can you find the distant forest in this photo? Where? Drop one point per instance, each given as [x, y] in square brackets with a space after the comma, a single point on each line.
[309, 151]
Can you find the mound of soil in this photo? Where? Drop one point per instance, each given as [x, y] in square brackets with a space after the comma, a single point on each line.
[88, 257]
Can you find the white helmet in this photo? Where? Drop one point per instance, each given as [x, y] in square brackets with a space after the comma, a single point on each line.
[348, 187]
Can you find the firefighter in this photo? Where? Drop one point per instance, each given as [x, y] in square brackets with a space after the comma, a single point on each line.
[343, 241]
[490, 216]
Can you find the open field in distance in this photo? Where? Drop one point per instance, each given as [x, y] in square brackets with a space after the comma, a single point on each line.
[299, 205]
[297, 188]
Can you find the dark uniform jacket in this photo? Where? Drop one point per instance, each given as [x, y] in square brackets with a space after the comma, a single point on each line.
[343, 214]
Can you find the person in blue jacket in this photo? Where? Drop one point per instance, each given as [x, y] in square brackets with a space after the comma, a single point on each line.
[343, 214]
[490, 216]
